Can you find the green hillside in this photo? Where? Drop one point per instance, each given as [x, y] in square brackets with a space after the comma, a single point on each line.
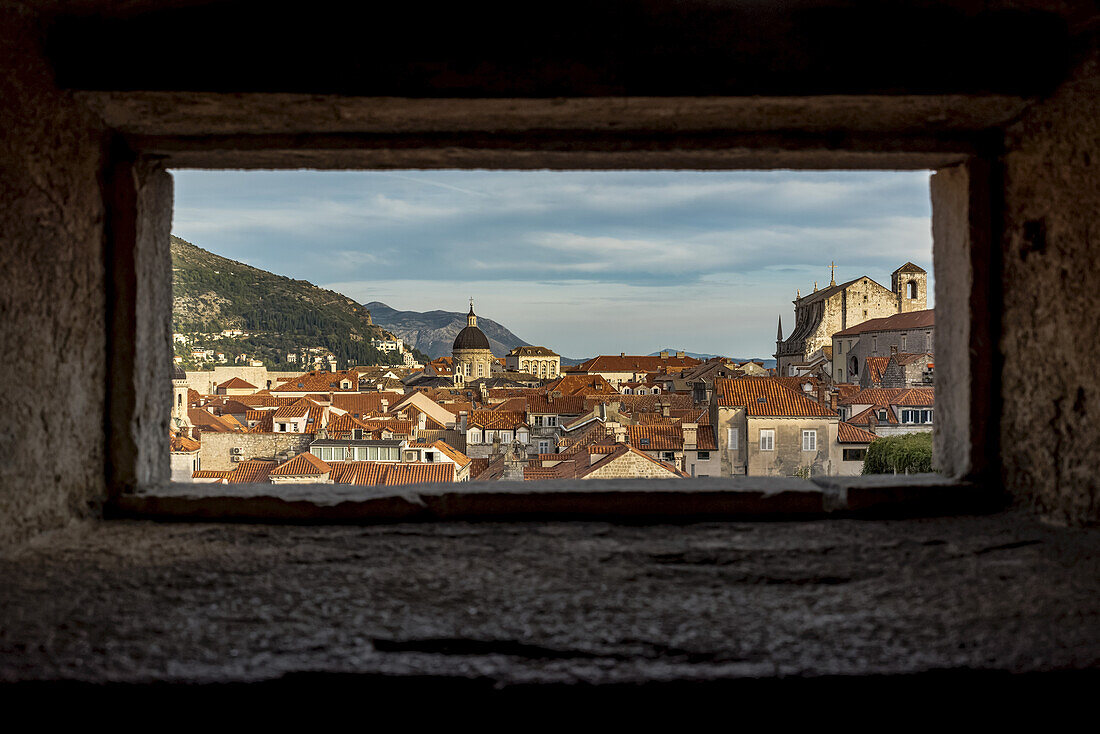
[281, 315]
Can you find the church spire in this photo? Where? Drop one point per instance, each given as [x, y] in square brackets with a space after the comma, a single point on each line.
[779, 333]
[832, 274]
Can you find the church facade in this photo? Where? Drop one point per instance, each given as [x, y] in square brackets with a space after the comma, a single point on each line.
[471, 355]
[822, 313]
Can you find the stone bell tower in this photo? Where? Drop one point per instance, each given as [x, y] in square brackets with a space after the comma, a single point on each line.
[910, 286]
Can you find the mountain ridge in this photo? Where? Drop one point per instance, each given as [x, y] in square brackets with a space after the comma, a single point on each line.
[434, 332]
[211, 293]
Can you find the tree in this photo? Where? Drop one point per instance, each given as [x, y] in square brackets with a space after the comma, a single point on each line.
[909, 453]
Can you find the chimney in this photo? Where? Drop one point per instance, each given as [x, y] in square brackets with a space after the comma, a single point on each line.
[622, 354]
[680, 355]
[665, 409]
[620, 433]
[691, 436]
[664, 355]
[893, 350]
[385, 405]
[462, 415]
[603, 411]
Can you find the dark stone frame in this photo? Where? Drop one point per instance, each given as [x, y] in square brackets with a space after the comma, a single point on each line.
[137, 190]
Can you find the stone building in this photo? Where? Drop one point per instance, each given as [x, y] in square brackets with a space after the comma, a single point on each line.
[765, 429]
[910, 332]
[538, 361]
[824, 312]
[471, 356]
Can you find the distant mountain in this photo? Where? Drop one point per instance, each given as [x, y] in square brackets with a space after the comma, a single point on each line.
[434, 332]
[697, 355]
[211, 293]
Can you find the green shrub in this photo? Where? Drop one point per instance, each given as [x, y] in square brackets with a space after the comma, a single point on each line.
[910, 453]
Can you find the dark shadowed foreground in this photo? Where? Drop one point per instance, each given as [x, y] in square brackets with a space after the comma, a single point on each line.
[589, 603]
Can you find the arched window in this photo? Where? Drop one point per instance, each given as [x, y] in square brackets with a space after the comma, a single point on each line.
[853, 366]
[912, 285]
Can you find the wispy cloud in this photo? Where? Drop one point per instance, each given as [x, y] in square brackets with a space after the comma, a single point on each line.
[581, 261]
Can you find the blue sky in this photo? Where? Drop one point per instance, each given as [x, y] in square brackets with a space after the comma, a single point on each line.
[582, 262]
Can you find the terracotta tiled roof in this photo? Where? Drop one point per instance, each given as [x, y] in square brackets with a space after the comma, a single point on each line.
[875, 366]
[342, 426]
[300, 466]
[298, 409]
[478, 465]
[636, 363]
[847, 433]
[514, 405]
[209, 474]
[365, 404]
[864, 418]
[206, 422]
[705, 440]
[563, 405]
[180, 443]
[512, 392]
[883, 397]
[394, 426]
[257, 401]
[253, 471]
[582, 385]
[656, 437]
[320, 381]
[910, 320]
[383, 474]
[265, 424]
[237, 383]
[765, 396]
[497, 420]
[452, 453]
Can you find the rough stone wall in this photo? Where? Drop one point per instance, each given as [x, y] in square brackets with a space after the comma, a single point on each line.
[214, 452]
[1051, 290]
[630, 466]
[204, 381]
[52, 293]
[730, 461]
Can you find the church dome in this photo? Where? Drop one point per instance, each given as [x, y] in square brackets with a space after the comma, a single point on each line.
[471, 337]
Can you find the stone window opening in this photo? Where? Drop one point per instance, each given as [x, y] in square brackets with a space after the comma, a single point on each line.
[961, 469]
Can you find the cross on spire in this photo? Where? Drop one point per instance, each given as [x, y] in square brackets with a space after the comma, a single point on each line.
[832, 273]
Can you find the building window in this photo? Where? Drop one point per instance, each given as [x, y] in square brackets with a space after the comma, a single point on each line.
[903, 340]
[544, 447]
[668, 456]
[703, 456]
[551, 420]
[767, 439]
[809, 440]
[538, 420]
[855, 454]
[732, 438]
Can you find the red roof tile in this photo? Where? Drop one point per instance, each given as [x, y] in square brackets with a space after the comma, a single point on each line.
[910, 320]
[301, 465]
[237, 383]
[766, 396]
[252, 471]
[847, 433]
